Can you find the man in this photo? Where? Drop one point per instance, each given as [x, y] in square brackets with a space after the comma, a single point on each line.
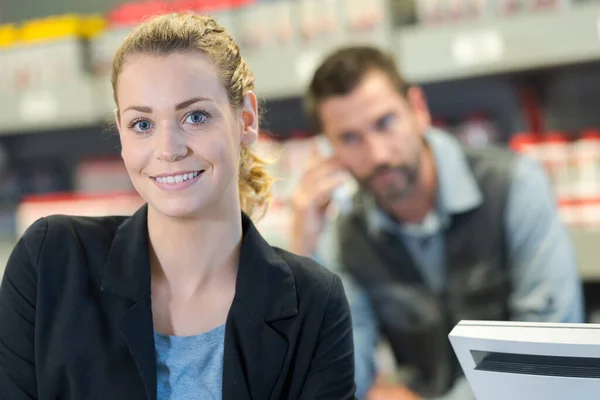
[437, 232]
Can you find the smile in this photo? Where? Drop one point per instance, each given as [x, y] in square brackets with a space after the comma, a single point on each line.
[177, 178]
[177, 181]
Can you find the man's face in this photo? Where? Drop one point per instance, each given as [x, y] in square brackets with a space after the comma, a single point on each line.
[377, 134]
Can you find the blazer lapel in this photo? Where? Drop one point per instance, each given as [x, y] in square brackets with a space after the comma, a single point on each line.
[255, 351]
[254, 356]
[126, 285]
[136, 327]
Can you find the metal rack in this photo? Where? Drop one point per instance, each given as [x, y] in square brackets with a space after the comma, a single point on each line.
[500, 45]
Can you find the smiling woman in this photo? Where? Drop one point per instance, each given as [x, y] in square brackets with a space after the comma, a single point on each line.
[166, 131]
[185, 299]
[205, 52]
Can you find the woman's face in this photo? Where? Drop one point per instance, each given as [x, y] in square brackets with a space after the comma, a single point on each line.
[180, 136]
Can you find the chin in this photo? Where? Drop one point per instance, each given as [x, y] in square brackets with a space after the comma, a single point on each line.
[179, 208]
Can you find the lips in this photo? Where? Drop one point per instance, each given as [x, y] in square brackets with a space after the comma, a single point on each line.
[177, 178]
[177, 181]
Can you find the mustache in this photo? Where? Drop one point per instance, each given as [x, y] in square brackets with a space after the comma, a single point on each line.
[387, 168]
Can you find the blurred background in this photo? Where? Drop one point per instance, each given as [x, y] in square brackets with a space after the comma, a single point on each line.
[518, 73]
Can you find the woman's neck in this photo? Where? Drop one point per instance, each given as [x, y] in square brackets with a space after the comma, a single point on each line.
[190, 254]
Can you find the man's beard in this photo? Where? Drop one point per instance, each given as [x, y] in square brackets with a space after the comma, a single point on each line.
[393, 191]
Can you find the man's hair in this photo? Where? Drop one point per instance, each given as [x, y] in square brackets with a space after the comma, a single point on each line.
[342, 71]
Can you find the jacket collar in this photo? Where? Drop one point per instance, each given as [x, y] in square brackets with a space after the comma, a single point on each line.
[265, 293]
[260, 267]
[127, 271]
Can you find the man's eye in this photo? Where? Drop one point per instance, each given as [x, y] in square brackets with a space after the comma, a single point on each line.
[385, 122]
[349, 138]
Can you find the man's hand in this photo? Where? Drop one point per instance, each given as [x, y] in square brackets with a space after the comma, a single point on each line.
[310, 201]
[388, 391]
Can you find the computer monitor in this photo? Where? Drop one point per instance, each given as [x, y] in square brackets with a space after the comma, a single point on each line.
[529, 361]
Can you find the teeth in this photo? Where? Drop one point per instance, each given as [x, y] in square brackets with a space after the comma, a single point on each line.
[177, 178]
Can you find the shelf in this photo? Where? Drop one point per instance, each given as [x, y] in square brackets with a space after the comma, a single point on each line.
[586, 249]
[102, 51]
[519, 43]
[55, 90]
[284, 68]
[71, 105]
[585, 243]
[424, 54]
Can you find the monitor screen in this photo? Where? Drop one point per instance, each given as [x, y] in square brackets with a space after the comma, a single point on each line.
[529, 361]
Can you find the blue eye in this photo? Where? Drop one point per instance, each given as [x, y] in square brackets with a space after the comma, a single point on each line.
[141, 125]
[196, 118]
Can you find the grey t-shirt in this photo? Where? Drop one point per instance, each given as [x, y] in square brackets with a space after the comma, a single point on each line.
[190, 367]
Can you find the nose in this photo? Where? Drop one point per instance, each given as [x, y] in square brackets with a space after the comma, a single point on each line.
[171, 145]
[377, 150]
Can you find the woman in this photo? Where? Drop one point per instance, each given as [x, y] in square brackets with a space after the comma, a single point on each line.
[183, 300]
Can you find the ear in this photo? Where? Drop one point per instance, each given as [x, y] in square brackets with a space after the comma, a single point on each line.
[118, 125]
[249, 119]
[418, 103]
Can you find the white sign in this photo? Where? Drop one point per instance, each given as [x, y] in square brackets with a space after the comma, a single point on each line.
[306, 64]
[476, 48]
[38, 106]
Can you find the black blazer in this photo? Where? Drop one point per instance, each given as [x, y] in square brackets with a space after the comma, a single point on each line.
[76, 318]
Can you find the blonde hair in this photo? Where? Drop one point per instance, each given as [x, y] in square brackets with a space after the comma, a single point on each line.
[180, 32]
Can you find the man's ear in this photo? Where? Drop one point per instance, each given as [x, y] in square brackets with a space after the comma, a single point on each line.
[418, 102]
[249, 119]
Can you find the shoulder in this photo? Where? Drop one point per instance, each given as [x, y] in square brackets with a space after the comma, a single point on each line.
[49, 235]
[529, 170]
[83, 227]
[362, 204]
[492, 159]
[494, 168]
[62, 227]
[529, 177]
[311, 279]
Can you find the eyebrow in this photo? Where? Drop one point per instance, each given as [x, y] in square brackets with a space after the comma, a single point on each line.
[180, 106]
[187, 103]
